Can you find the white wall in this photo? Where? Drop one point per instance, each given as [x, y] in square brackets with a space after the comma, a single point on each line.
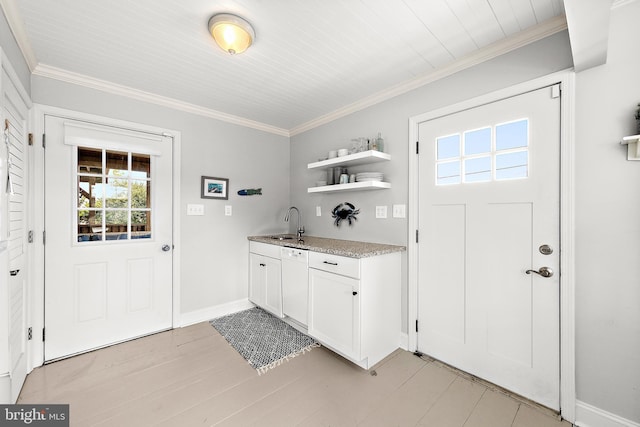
[392, 119]
[11, 49]
[214, 248]
[607, 226]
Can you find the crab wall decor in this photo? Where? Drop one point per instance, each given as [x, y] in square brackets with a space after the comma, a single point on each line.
[344, 211]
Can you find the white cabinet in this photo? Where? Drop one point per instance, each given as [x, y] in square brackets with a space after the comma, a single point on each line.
[265, 284]
[334, 312]
[354, 305]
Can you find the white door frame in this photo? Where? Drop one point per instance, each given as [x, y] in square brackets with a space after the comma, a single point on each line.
[37, 164]
[567, 221]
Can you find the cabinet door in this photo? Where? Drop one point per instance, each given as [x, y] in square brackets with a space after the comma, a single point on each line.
[273, 286]
[265, 287]
[334, 312]
[257, 279]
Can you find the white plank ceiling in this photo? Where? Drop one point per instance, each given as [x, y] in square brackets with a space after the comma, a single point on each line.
[310, 58]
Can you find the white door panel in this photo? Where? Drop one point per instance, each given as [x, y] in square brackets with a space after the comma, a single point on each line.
[108, 202]
[488, 199]
[15, 112]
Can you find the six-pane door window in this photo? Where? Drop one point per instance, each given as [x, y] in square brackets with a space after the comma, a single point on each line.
[491, 153]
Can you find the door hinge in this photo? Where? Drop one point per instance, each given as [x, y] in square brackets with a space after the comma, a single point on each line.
[44, 237]
[44, 141]
[416, 325]
[555, 91]
[417, 147]
[42, 334]
[29, 334]
[416, 236]
[30, 236]
[30, 139]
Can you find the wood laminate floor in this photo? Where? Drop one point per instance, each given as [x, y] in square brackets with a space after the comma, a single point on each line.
[192, 377]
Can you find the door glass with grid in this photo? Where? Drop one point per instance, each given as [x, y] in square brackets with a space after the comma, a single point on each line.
[491, 153]
[114, 195]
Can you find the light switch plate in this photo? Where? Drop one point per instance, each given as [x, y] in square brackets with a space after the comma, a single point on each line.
[381, 211]
[399, 211]
[195, 209]
[318, 211]
[228, 210]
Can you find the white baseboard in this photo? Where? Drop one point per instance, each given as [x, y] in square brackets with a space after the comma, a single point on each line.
[209, 313]
[404, 341]
[590, 416]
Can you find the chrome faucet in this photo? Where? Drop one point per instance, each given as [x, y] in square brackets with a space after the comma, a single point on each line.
[300, 228]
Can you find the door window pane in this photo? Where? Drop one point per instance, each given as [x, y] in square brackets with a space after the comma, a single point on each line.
[89, 195]
[117, 163]
[512, 135]
[140, 224]
[477, 141]
[116, 193]
[89, 161]
[140, 194]
[448, 147]
[448, 173]
[512, 165]
[477, 169]
[140, 166]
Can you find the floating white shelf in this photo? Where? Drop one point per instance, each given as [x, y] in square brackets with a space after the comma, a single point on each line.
[633, 146]
[365, 185]
[355, 159]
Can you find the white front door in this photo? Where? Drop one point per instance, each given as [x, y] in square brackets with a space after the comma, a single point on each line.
[488, 213]
[108, 224]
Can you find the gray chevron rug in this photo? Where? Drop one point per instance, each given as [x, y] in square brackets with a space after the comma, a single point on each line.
[262, 339]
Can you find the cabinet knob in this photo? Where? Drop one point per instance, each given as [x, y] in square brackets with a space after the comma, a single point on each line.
[262, 265]
[355, 293]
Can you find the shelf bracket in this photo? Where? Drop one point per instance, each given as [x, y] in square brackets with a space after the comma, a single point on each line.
[633, 146]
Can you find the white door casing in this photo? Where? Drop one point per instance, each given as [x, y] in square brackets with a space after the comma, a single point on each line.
[105, 291]
[477, 308]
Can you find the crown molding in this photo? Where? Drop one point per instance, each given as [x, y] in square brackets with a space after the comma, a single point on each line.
[538, 32]
[60, 74]
[10, 11]
[509, 44]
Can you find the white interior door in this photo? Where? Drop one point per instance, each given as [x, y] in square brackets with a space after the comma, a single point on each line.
[108, 224]
[15, 112]
[488, 203]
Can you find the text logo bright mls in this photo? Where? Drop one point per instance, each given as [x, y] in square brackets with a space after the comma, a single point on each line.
[34, 415]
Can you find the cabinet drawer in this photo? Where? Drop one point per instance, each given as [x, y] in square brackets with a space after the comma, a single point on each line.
[335, 264]
[272, 251]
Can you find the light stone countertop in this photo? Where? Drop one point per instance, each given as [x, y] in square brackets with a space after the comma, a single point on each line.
[348, 248]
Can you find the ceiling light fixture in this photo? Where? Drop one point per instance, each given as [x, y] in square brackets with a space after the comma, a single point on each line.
[232, 33]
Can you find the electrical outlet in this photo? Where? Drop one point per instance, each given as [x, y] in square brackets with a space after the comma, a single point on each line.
[318, 211]
[399, 211]
[195, 209]
[228, 211]
[381, 211]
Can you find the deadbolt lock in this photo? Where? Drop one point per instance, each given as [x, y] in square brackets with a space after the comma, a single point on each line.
[545, 250]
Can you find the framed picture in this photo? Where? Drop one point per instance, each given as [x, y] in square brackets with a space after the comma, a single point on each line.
[214, 188]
